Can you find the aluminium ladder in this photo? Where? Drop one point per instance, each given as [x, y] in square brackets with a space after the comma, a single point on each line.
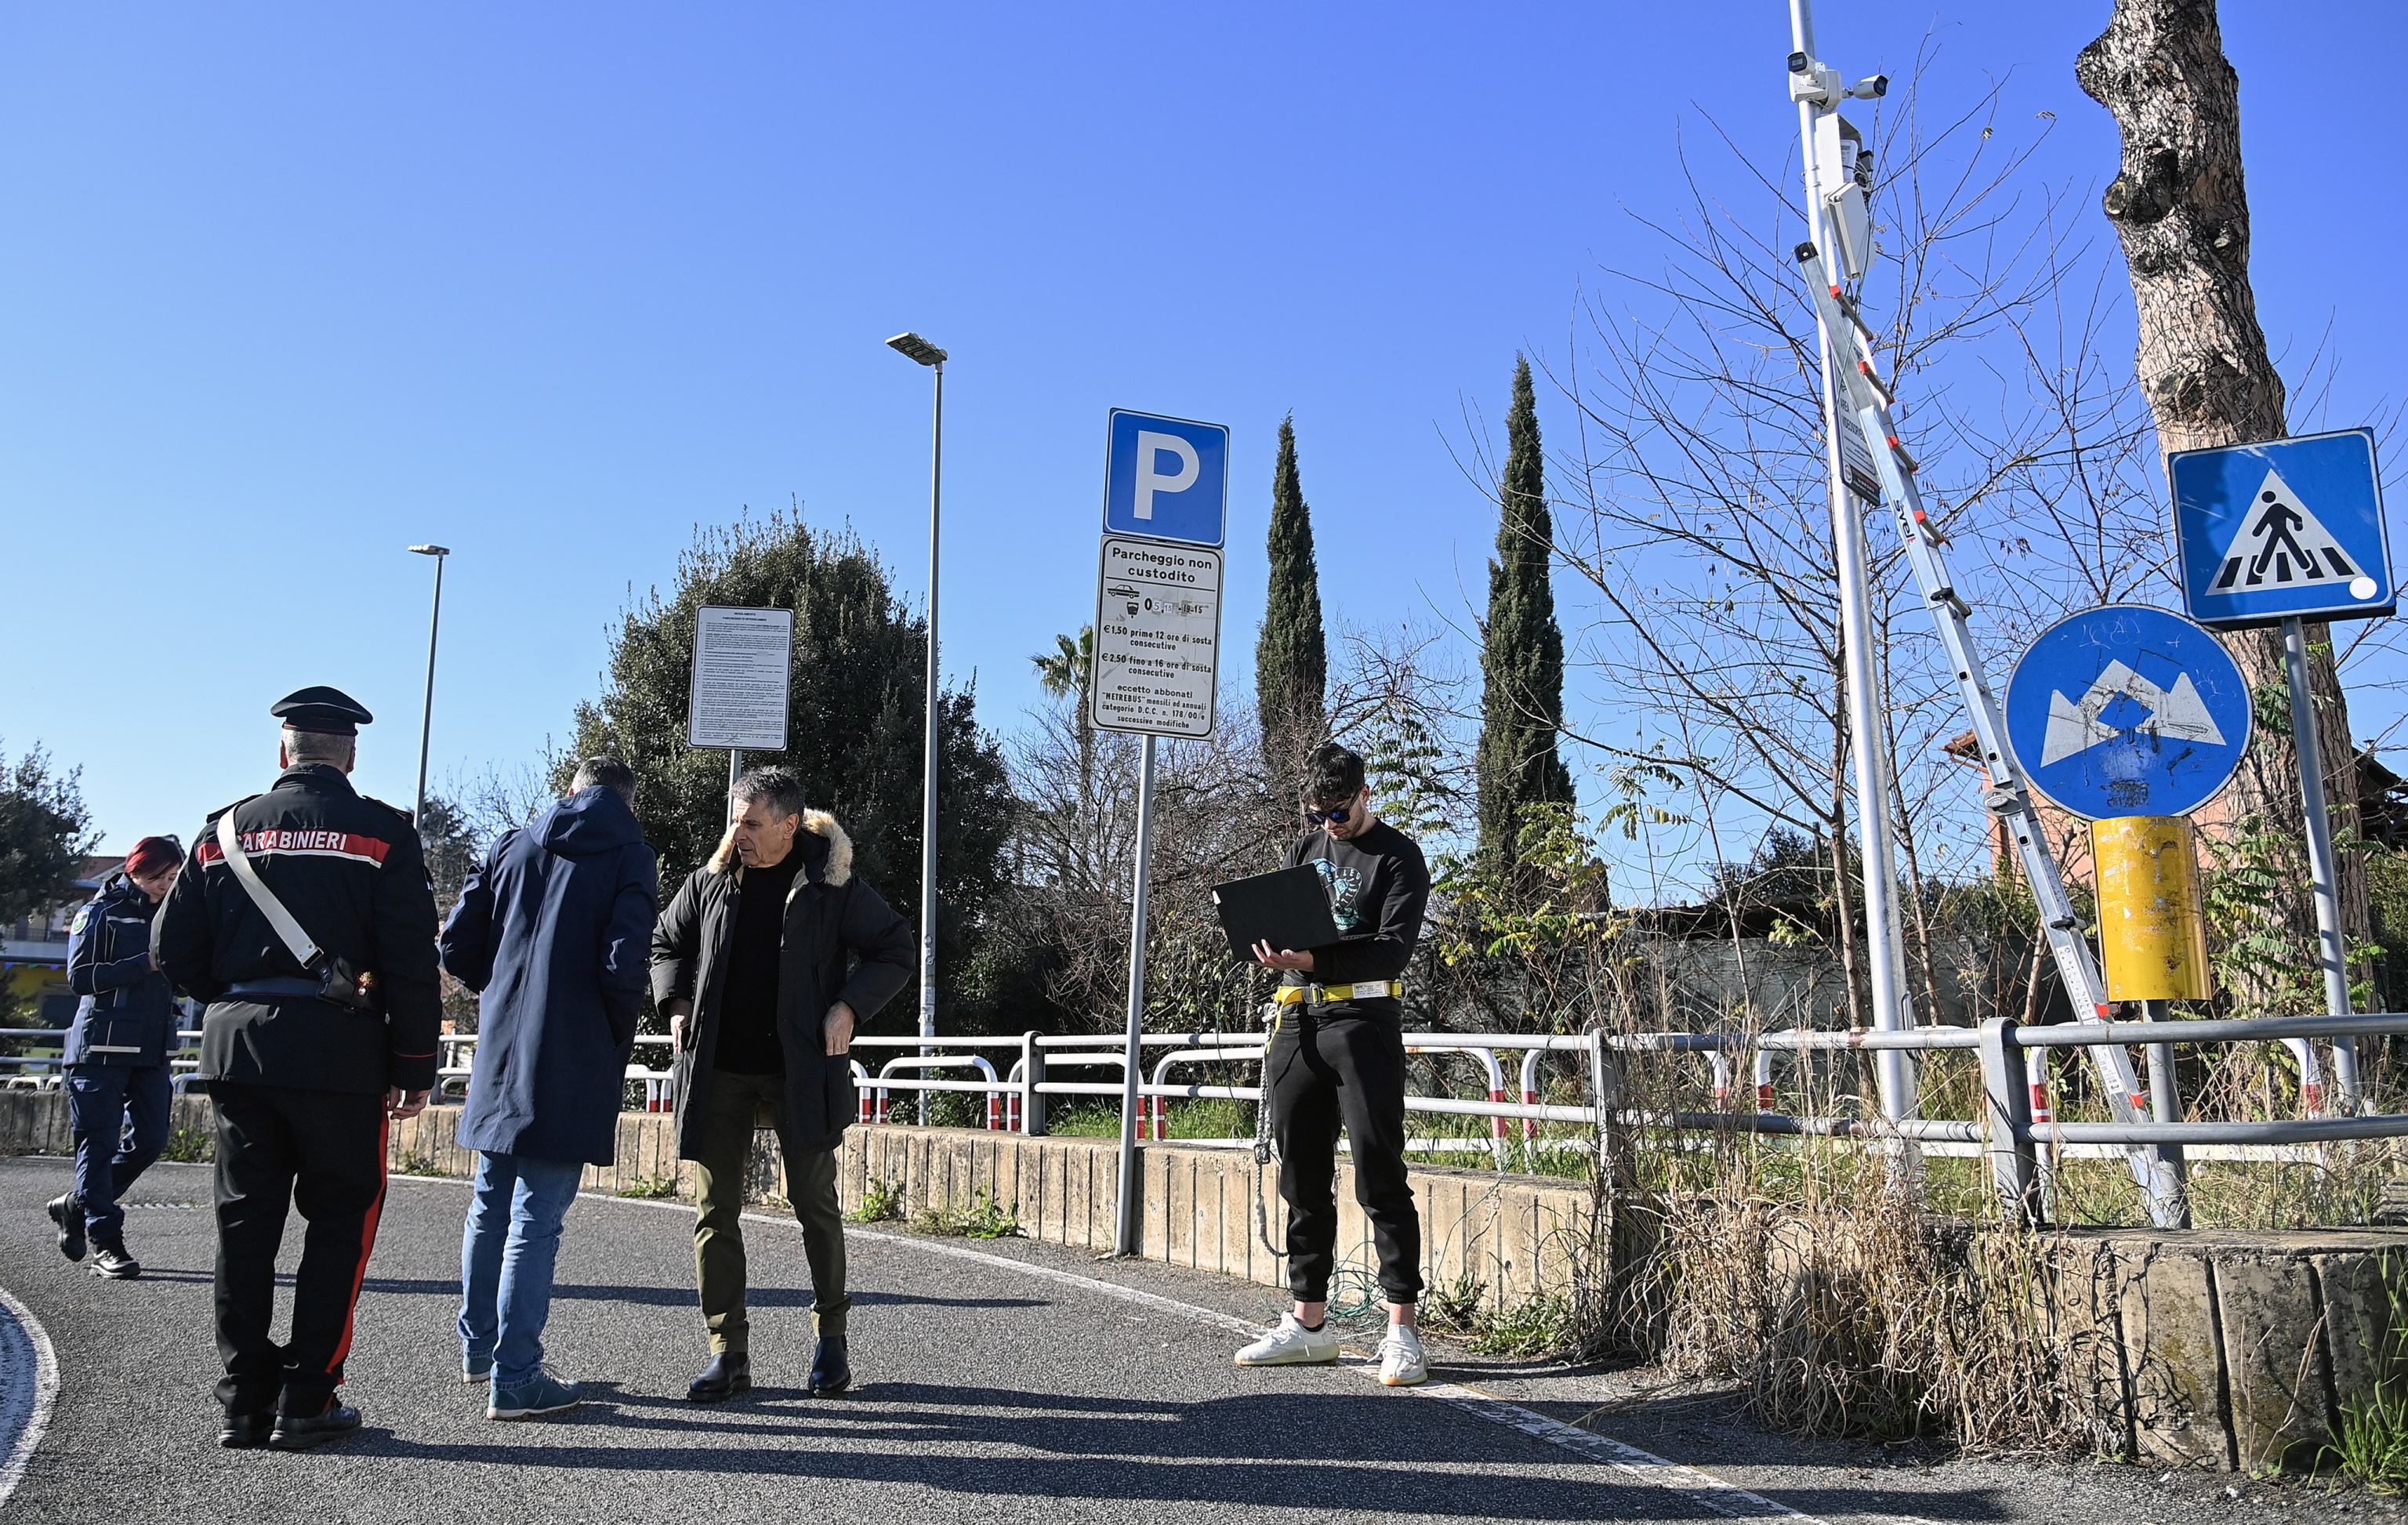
[2009, 797]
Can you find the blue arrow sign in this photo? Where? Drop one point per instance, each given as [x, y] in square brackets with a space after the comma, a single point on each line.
[2284, 530]
[2127, 710]
[1165, 479]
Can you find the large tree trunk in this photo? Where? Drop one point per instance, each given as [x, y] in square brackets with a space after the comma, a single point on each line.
[2181, 209]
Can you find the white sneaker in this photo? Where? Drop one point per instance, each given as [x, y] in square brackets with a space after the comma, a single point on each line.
[1402, 1362]
[1291, 1343]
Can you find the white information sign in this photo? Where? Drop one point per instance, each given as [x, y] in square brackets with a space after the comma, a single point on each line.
[1157, 639]
[742, 659]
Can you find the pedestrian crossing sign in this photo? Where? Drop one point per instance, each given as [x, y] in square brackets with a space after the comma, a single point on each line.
[2281, 530]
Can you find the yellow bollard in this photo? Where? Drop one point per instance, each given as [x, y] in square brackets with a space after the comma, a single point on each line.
[2152, 936]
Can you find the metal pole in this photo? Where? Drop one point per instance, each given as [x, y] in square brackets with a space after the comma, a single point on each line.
[1032, 1076]
[2165, 1100]
[1125, 1241]
[1868, 751]
[426, 724]
[735, 771]
[2322, 869]
[928, 770]
[2014, 1158]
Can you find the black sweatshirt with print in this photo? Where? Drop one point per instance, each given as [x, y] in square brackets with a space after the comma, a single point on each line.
[1378, 888]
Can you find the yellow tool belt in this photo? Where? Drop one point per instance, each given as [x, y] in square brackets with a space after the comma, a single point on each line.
[1317, 996]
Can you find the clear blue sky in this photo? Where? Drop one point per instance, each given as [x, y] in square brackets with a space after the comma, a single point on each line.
[285, 288]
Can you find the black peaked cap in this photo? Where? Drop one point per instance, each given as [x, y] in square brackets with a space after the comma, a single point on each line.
[321, 709]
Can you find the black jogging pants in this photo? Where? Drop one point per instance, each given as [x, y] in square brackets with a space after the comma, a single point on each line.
[1322, 1071]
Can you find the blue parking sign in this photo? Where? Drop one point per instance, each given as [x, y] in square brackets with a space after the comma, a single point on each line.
[2285, 528]
[1165, 479]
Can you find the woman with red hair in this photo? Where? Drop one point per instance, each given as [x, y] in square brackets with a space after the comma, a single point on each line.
[117, 1054]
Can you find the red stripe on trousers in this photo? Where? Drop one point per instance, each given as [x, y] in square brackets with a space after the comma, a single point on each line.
[367, 1245]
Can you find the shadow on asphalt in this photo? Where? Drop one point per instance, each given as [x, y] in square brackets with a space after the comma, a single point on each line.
[1128, 1449]
[671, 1297]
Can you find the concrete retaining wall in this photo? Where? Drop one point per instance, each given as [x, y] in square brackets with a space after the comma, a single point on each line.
[1515, 1234]
[2231, 1351]
[2202, 1349]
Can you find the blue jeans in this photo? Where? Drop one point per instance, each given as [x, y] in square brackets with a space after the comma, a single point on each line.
[101, 1100]
[506, 1257]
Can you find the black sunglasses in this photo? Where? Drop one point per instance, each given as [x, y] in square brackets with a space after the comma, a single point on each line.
[1337, 816]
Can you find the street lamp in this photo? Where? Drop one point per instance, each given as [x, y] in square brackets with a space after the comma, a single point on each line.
[434, 625]
[912, 347]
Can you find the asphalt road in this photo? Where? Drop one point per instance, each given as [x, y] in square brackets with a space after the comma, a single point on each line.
[997, 1382]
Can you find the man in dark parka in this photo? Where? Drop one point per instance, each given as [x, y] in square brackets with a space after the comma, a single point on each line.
[766, 960]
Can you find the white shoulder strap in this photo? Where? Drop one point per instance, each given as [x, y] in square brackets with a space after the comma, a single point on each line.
[277, 916]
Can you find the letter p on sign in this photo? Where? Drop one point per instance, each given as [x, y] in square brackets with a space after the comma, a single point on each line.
[1151, 449]
[1165, 479]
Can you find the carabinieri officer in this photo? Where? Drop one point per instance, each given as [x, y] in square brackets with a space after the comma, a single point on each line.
[305, 919]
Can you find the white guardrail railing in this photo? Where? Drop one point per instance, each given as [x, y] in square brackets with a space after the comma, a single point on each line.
[2018, 1133]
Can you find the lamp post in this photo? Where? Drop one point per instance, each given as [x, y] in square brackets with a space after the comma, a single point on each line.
[433, 627]
[912, 347]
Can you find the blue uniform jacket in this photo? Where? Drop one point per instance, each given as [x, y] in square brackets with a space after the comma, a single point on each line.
[554, 932]
[128, 1014]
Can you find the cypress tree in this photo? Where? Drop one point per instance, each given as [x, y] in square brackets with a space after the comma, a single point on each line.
[1522, 701]
[1291, 662]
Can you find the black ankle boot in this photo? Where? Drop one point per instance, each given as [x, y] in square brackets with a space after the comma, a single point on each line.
[66, 1212]
[831, 1370]
[728, 1373]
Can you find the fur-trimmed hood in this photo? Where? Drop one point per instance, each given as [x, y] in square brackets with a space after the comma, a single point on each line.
[835, 870]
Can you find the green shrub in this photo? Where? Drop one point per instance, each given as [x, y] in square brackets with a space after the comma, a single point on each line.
[1454, 1306]
[984, 1219]
[880, 1200]
[1537, 1326]
[191, 1145]
[2370, 1442]
[650, 1185]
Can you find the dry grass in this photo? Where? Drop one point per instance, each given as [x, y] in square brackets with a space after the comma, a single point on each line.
[1845, 1308]
[1844, 1292]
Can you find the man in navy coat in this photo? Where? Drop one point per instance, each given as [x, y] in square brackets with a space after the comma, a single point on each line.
[554, 932]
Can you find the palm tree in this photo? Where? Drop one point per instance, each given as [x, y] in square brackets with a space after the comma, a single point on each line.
[1063, 673]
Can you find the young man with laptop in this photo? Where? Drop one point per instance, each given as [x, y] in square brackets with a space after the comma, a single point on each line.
[1336, 1057]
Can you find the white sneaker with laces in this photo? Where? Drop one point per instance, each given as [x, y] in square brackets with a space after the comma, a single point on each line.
[1291, 1343]
[1402, 1362]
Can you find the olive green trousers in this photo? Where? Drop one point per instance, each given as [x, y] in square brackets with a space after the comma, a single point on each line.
[740, 1104]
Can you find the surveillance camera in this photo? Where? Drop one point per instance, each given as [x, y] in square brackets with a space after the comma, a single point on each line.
[1866, 90]
[1800, 62]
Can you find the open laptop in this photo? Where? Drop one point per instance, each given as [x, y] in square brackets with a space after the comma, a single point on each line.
[1288, 909]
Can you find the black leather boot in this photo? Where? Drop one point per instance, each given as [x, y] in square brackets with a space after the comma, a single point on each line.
[728, 1373]
[831, 1369]
[68, 1213]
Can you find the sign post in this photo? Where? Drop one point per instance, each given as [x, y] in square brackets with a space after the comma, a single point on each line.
[2130, 718]
[1157, 657]
[2277, 533]
[743, 660]
[1838, 220]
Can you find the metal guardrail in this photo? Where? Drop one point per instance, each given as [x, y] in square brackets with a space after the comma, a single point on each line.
[2019, 1141]
[2015, 1134]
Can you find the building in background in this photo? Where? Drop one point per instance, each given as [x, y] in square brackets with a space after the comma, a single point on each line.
[34, 952]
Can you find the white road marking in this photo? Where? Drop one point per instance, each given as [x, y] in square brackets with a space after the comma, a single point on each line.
[29, 1384]
[1700, 1488]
